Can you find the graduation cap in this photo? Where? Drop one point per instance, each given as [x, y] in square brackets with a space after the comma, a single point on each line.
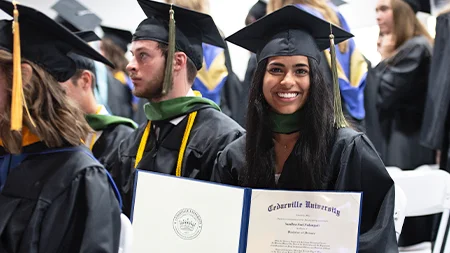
[338, 2]
[191, 30]
[82, 62]
[48, 48]
[87, 36]
[288, 31]
[120, 37]
[75, 17]
[291, 31]
[258, 10]
[419, 5]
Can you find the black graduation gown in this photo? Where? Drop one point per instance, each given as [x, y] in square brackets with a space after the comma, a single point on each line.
[110, 140]
[355, 166]
[211, 132]
[119, 97]
[403, 82]
[232, 94]
[372, 121]
[392, 128]
[249, 73]
[58, 202]
[248, 79]
[139, 117]
[435, 132]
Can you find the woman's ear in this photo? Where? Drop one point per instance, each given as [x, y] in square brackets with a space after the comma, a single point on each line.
[27, 73]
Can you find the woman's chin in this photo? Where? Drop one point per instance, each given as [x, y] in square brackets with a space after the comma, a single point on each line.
[286, 109]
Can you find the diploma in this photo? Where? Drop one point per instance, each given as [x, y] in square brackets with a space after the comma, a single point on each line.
[173, 214]
[182, 215]
[291, 222]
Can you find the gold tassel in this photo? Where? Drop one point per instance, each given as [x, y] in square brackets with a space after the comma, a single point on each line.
[168, 74]
[339, 119]
[17, 91]
[17, 97]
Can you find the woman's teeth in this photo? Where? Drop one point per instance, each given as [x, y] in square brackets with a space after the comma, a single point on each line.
[287, 95]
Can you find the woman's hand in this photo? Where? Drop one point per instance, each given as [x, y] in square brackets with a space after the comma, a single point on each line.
[386, 46]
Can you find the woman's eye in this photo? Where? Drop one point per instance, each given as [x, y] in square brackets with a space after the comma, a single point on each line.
[275, 70]
[142, 55]
[302, 71]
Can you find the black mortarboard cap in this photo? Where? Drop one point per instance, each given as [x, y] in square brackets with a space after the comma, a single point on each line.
[82, 62]
[419, 5]
[87, 36]
[75, 17]
[338, 2]
[288, 31]
[192, 29]
[258, 10]
[49, 47]
[120, 37]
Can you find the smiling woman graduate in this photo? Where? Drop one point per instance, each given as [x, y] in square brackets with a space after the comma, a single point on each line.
[54, 196]
[297, 137]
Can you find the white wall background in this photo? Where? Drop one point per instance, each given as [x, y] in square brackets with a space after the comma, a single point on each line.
[229, 16]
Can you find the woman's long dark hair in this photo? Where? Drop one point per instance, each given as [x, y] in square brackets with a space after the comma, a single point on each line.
[313, 147]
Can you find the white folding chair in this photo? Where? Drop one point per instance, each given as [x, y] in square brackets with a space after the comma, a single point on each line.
[392, 169]
[427, 192]
[399, 210]
[428, 167]
[126, 235]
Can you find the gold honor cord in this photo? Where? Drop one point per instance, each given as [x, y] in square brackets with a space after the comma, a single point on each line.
[187, 131]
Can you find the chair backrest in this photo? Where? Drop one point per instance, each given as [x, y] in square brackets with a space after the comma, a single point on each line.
[427, 191]
[392, 168]
[399, 210]
[126, 235]
[428, 167]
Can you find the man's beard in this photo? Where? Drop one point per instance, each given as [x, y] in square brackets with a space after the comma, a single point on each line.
[152, 93]
[156, 93]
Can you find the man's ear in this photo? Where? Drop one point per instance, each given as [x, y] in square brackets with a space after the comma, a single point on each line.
[86, 80]
[179, 61]
[27, 73]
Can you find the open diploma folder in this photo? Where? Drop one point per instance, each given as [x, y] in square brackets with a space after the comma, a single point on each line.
[173, 214]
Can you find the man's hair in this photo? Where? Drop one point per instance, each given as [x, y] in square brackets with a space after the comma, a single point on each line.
[58, 121]
[78, 74]
[190, 66]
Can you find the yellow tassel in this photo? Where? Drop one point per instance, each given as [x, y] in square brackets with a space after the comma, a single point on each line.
[339, 119]
[168, 75]
[17, 91]
[17, 97]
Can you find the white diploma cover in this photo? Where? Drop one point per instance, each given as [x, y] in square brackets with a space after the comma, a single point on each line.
[172, 215]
